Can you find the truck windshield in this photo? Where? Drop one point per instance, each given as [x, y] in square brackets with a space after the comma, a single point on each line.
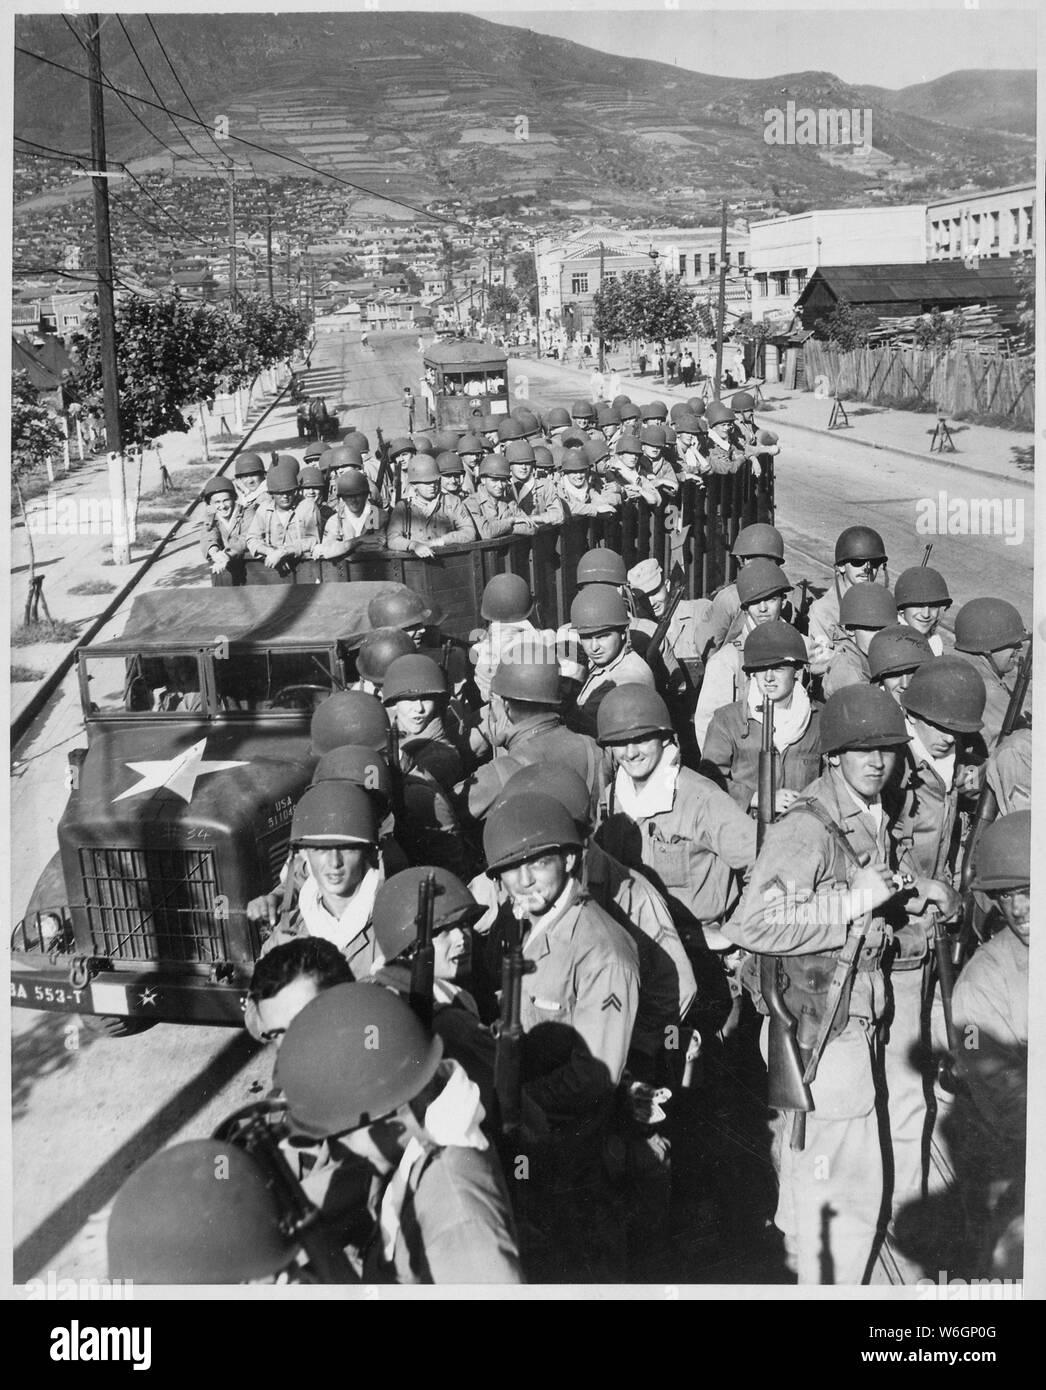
[142, 684]
[273, 680]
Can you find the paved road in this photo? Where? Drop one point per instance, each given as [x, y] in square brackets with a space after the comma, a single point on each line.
[87, 1111]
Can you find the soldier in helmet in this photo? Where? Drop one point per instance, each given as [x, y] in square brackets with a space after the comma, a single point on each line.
[864, 610]
[415, 691]
[860, 557]
[895, 653]
[922, 597]
[278, 535]
[762, 588]
[721, 455]
[341, 462]
[438, 1206]
[828, 868]
[470, 449]
[628, 465]
[534, 498]
[452, 473]
[222, 541]
[251, 494]
[506, 605]
[647, 581]
[378, 650]
[172, 1223]
[743, 430]
[355, 520]
[581, 492]
[774, 657]
[756, 542]
[991, 633]
[991, 1004]
[943, 705]
[601, 565]
[601, 619]
[427, 517]
[493, 508]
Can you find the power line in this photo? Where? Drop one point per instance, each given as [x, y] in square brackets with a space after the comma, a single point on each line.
[185, 94]
[194, 236]
[251, 144]
[80, 158]
[155, 89]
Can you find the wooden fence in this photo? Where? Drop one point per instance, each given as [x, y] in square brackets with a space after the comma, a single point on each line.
[962, 381]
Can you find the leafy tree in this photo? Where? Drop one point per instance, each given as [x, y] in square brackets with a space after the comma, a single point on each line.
[525, 278]
[934, 330]
[846, 326]
[500, 303]
[1024, 277]
[35, 434]
[610, 318]
[415, 284]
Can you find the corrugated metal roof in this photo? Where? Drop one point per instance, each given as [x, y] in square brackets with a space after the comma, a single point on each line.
[937, 280]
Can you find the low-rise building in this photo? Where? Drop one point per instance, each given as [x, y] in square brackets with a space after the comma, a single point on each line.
[982, 225]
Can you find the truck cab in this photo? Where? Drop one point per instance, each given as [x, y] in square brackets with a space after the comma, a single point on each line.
[197, 721]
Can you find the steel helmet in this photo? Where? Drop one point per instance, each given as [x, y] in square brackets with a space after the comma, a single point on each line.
[866, 605]
[948, 692]
[349, 716]
[449, 464]
[447, 439]
[774, 644]
[314, 450]
[557, 418]
[601, 566]
[354, 1054]
[654, 435]
[403, 445]
[631, 711]
[654, 410]
[551, 779]
[404, 609]
[629, 444]
[359, 765]
[423, 469]
[509, 429]
[488, 424]
[573, 461]
[530, 679]
[355, 440]
[413, 677]
[621, 400]
[696, 404]
[543, 457]
[759, 539]
[352, 483]
[598, 607]
[469, 444]
[311, 476]
[743, 401]
[283, 476]
[519, 451]
[607, 417]
[526, 826]
[686, 422]
[920, 585]
[248, 466]
[379, 649]
[1002, 855]
[573, 439]
[859, 543]
[896, 648]
[344, 456]
[760, 579]
[716, 413]
[494, 466]
[629, 411]
[670, 435]
[214, 487]
[334, 813]
[987, 625]
[396, 905]
[596, 451]
[172, 1223]
[676, 411]
[582, 410]
[424, 445]
[530, 422]
[506, 599]
[861, 716]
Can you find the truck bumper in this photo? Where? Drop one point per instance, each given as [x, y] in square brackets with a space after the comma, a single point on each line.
[141, 994]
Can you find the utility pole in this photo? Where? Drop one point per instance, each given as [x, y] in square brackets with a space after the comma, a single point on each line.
[232, 230]
[103, 251]
[602, 341]
[721, 309]
[268, 239]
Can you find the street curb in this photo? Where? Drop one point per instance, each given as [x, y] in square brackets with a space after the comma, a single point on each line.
[23, 721]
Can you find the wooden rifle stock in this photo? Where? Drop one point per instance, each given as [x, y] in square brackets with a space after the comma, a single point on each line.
[508, 1059]
[423, 965]
[765, 802]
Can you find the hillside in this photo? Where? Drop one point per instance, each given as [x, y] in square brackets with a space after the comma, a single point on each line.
[451, 106]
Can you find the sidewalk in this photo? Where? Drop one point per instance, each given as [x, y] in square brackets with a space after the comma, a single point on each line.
[73, 547]
[990, 452]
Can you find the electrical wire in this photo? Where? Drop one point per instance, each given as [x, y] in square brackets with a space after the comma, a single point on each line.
[185, 94]
[251, 144]
[79, 158]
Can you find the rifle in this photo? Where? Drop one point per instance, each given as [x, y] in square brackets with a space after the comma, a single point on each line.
[423, 965]
[657, 637]
[926, 556]
[987, 810]
[385, 462]
[946, 978]
[300, 1218]
[508, 1059]
[786, 1088]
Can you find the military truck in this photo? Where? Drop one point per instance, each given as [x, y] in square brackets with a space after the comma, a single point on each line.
[197, 722]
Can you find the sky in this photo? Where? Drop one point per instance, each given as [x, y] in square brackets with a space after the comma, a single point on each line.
[747, 41]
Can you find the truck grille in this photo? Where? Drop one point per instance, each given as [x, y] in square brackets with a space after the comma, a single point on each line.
[152, 904]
